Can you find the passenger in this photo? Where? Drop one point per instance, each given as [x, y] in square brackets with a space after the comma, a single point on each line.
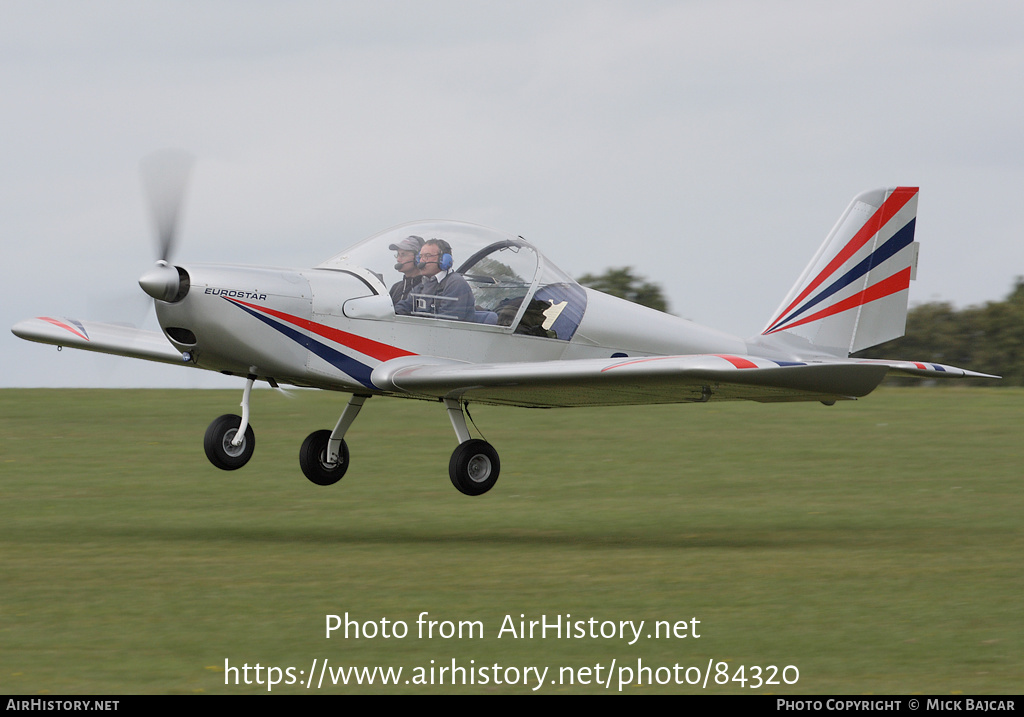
[405, 254]
[441, 292]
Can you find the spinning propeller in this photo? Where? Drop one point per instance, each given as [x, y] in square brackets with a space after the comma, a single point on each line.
[165, 177]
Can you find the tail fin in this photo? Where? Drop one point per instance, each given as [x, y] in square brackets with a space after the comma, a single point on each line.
[854, 292]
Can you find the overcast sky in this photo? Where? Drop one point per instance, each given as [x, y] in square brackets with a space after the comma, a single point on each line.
[709, 144]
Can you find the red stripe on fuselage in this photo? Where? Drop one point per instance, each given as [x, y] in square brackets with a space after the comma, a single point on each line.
[369, 347]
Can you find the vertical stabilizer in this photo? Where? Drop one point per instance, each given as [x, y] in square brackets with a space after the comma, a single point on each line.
[854, 293]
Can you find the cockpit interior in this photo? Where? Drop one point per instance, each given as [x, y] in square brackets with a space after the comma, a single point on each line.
[516, 289]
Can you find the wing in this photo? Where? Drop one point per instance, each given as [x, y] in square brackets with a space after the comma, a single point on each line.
[96, 336]
[622, 381]
[661, 379]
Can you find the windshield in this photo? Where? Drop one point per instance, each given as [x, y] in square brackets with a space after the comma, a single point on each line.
[513, 285]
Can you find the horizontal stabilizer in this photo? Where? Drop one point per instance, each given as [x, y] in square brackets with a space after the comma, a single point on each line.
[925, 369]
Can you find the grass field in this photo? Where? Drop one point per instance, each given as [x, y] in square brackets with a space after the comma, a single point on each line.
[877, 546]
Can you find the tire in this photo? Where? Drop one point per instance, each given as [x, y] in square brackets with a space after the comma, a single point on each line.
[313, 459]
[474, 467]
[217, 443]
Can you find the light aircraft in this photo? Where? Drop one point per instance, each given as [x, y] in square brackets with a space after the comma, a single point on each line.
[533, 338]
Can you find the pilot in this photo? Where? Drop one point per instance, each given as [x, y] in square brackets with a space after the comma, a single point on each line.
[454, 300]
[405, 256]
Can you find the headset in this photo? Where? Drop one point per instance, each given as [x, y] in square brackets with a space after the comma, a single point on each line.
[445, 262]
[400, 266]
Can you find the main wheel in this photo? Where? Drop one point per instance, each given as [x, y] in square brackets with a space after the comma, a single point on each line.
[474, 467]
[313, 459]
[217, 443]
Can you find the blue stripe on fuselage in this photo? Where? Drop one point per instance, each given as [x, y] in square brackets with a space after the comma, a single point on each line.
[357, 370]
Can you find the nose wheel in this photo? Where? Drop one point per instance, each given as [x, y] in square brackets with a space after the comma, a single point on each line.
[316, 462]
[324, 454]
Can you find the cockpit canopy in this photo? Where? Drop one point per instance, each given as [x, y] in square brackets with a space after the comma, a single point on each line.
[514, 285]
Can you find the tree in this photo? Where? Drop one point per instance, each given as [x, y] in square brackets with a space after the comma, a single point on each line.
[622, 282]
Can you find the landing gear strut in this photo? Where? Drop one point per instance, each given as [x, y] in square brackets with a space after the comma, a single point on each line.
[474, 465]
[324, 456]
